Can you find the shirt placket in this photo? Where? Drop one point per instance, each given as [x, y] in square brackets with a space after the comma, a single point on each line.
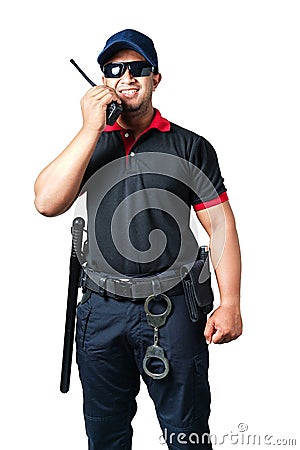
[128, 141]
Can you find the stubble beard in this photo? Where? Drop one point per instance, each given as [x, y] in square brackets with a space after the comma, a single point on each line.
[140, 109]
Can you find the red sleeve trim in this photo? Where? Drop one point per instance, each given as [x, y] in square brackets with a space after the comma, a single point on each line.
[216, 201]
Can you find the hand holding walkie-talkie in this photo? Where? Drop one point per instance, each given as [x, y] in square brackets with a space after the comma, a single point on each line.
[113, 109]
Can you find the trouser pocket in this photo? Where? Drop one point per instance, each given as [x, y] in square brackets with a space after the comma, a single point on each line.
[84, 310]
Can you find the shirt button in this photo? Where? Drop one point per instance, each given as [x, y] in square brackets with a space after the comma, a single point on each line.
[132, 153]
[126, 135]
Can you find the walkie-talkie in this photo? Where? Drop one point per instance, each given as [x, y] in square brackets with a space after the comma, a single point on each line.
[113, 109]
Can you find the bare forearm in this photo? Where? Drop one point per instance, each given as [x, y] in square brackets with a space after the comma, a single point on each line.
[57, 186]
[219, 222]
[226, 259]
[225, 324]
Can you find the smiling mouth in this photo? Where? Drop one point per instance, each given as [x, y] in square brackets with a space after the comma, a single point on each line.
[129, 93]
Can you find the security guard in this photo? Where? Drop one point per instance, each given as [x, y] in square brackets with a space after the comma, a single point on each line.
[140, 315]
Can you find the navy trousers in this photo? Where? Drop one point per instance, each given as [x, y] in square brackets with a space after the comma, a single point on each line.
[111, 340]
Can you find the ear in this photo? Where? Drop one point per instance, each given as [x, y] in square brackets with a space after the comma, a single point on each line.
[156, 81]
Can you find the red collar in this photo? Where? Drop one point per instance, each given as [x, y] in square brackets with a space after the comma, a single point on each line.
[158, 122]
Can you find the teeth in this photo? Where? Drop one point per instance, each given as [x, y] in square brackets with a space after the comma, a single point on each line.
[129, 91]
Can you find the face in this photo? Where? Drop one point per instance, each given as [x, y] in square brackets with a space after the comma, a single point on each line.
[135, 92]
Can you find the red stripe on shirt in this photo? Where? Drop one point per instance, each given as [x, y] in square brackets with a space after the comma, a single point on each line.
[216, 201]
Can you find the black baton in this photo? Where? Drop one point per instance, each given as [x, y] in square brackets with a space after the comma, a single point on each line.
[74, 279]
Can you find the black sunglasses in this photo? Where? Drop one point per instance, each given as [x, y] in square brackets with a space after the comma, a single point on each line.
[136, 68]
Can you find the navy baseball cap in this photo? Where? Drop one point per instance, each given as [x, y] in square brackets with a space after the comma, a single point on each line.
[133, 40]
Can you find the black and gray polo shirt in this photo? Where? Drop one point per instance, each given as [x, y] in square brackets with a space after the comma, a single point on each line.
[140, 193]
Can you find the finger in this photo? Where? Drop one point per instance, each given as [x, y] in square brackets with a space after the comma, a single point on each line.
[101, 100]
[115, 97]
[105, 89]
[107, 96]
[228, 338]
[208, 332]
[218, 337]
[104, 97]
[93, 91]
[99, 91]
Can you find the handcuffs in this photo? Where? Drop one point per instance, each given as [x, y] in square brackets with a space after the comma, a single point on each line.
[155, 351]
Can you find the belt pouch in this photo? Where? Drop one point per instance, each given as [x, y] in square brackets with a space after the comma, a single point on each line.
[196, 281]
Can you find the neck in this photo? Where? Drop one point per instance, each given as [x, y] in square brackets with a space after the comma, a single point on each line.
[135, 121]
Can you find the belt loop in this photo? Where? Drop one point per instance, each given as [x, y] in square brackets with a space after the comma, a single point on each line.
[104, 289]
[102, 285]
[156, 287]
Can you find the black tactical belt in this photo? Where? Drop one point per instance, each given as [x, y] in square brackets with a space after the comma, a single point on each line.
[133, 288]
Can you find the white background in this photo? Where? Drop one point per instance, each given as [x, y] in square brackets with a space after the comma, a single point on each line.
[231, 73]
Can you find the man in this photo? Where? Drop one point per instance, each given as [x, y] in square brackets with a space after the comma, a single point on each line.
[135, 174]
